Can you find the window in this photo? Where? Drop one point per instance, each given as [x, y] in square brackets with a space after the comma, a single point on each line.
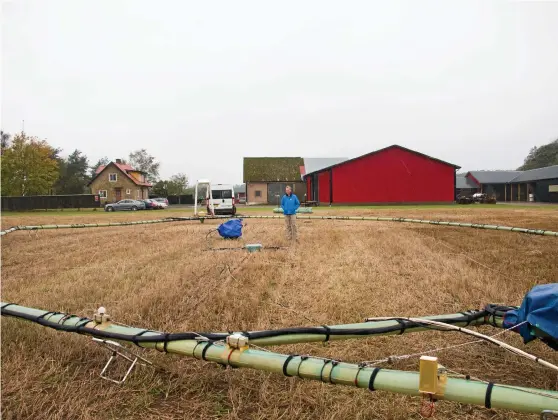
[258, 193]
[128, 191]
[138, 193]
[102, 193]
[219, 194]
[113, 177]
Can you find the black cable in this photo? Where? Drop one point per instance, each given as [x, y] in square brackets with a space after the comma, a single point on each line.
[84, 321]
[204, 351]
[166, 342]
[37, 319]
[466, 314]
[493, 311]
[326, 361]
[333, 364]
[373, 378]
[488, 396]
[402, 323]
[327, 332]
[65, 318]
[195, 347]
[167, 337]
[302, 359]
[286, 364]
[134, 338]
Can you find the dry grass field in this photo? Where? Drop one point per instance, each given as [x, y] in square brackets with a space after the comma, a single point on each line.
[162, 277]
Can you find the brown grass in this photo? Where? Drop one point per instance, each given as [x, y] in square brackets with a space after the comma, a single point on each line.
[160, 277]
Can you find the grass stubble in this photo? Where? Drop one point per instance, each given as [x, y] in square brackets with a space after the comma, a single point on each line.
[162, 277]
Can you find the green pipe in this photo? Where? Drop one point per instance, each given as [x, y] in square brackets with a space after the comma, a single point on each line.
[92, 225]
[460, 390]
[526, 400]
[10, 230]
[373, 328]
[405, 220]
[298, 211]
[354, 218]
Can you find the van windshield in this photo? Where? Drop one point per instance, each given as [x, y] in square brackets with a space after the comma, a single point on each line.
[220, 194]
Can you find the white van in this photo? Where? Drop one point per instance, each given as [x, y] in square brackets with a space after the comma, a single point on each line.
[222, 198]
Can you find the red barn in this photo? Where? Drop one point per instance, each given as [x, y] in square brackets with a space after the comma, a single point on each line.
[394, 175]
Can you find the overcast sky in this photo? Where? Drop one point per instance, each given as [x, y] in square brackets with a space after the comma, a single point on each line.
[200, 84]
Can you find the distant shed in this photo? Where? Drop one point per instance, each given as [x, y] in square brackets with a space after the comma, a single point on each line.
[539, 184]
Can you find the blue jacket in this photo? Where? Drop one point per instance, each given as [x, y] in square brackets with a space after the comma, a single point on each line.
[290, 204]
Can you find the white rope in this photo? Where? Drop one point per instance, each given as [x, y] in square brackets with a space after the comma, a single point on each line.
[409, 356]
[449, 327]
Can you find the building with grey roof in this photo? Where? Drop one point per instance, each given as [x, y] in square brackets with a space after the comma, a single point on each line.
[315, 164]
[539, 184]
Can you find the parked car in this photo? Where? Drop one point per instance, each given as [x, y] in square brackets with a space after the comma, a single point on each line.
[484, 198]
[462, 199]
[151, 204]
[163, 202]
[222, 198]
[125, 205]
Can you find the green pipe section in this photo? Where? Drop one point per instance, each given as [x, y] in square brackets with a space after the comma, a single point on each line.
[431, 222]
[10, 230]
[372, 326]
[294, 338]
[526, 400]
[541, 232]
[298, 211]
[92, 225]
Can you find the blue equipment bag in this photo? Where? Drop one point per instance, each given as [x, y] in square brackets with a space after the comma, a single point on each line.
[231, 229]
[540, 310]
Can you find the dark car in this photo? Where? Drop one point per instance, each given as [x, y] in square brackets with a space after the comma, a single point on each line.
[151, 204]
[126, 205]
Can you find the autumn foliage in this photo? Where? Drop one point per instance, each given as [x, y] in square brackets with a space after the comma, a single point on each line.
[29, 166]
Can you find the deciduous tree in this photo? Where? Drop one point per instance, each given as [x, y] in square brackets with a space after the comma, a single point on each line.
[143, 161]
[29, 166]
[176, 185]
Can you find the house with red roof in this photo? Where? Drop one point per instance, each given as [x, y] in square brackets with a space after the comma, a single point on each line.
[118, 181]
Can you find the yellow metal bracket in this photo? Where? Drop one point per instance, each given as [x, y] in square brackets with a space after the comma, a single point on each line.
[432, 377]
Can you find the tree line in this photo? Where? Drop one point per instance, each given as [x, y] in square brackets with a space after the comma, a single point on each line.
[31, 166]
[539, 157]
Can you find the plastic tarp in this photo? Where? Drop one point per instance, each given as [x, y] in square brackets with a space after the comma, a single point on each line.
[231, 229]
[540, 310]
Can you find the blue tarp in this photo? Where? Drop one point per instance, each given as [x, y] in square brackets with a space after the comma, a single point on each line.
[231, 229]
[540, 310]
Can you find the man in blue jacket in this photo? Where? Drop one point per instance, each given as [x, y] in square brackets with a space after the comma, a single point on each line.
[290, 204]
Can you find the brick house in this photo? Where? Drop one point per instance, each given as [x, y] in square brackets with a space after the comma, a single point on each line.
[118, 181]
[267, 177]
